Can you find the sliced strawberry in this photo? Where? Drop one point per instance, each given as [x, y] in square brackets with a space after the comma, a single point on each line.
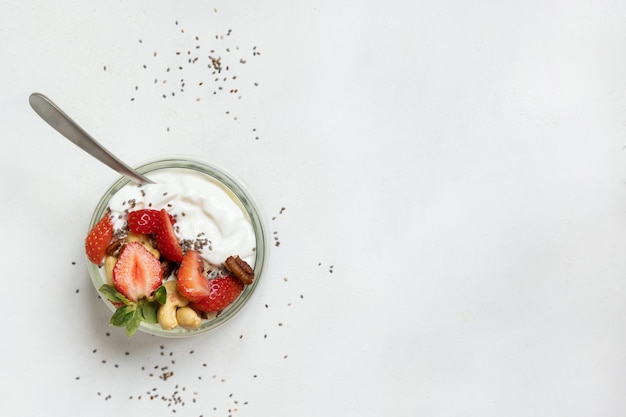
[192, 283]
[223, 292]
[206, 295]
[98, 239]
[146, 221]
[166, 239]
[137, 273]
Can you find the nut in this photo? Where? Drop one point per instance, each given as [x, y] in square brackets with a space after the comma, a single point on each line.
[115, 246]
[240, 269]
[145, 241]
[168, 267]
[188, 318]
[166, 315]
[171, 286]
[109, 264]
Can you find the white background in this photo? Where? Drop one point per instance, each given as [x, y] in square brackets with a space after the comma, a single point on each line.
[459, 166]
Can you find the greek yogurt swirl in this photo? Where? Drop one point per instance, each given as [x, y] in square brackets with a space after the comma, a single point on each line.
[205, 211]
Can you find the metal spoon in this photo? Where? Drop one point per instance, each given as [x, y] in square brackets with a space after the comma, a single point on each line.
[63, 124]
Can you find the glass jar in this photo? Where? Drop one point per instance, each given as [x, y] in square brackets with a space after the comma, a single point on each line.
[238, 194]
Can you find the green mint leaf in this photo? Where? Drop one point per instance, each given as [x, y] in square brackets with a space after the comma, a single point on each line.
[149, 312]
[110, 293]
[113, 295]
[133, 324]
[161, 295]
[124, 299]
[123, 315]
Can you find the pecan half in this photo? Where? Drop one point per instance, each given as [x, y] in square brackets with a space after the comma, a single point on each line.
[168, 268]
[114, 247]
[240, 269]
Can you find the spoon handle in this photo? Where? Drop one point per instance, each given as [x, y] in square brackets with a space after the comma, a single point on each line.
[63, 124]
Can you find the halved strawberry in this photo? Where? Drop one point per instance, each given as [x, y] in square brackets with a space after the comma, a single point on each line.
[191, 282]
[166, 239]
[206, 295]
[137, 273]
[146, 221]
[98, 239]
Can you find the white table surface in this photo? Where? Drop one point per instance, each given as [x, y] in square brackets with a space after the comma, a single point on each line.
[453, 178]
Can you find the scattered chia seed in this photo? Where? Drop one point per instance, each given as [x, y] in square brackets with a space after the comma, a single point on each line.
[216, 58]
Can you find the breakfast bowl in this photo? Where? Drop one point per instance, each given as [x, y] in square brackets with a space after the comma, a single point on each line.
[179, 257]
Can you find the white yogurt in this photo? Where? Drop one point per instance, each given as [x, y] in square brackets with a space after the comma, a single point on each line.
[204, 209]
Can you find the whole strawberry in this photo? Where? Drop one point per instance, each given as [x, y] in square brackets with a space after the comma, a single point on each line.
[224, 291]
[146, 221]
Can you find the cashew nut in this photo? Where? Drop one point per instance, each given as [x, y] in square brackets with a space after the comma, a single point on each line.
[109, 264]
[166, 315]
[145, 241]
[171, 286]
[188, 318]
